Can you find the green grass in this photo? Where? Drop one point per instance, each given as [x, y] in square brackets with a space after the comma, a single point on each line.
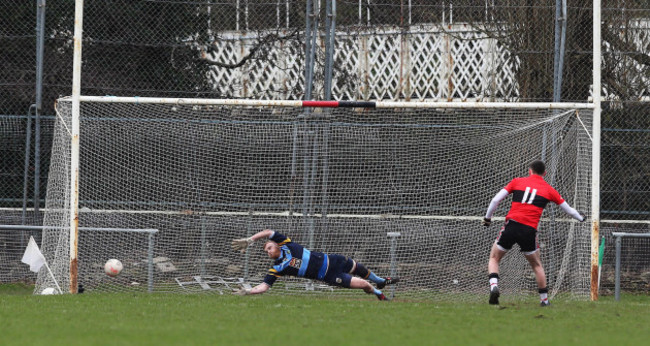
[16, 288]
[168, 319]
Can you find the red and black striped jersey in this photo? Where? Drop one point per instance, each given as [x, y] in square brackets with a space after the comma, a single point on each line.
[529, 198]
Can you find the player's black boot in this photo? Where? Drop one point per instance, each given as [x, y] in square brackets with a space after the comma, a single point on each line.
[494, 295]
[545, 303]
[388, 281]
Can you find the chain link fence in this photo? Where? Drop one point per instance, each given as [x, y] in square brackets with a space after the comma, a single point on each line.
[419, 50]
[625, 142]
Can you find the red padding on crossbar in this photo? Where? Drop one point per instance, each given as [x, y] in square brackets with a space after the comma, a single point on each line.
[325, 104]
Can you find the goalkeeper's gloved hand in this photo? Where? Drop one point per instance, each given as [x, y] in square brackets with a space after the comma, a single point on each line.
[583, 216]
[241, 244]
[486, 221]
[242, 292]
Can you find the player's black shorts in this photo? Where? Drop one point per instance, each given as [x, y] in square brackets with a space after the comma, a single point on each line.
[338, 273]
[514, 232]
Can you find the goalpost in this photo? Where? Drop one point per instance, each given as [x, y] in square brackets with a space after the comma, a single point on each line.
[400, 187]
[336, 181]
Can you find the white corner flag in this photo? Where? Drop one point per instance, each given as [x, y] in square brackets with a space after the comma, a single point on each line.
[33, 256]
[35, 259]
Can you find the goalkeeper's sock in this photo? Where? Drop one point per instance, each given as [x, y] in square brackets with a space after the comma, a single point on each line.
[376, 291]
[376, 279]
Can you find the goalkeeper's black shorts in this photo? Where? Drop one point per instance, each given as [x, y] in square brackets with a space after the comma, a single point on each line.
[338, 273]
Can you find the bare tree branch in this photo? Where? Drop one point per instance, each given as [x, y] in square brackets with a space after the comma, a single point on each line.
[622, 46]
[264, 41]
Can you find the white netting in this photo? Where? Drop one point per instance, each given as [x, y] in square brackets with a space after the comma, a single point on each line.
[334, 180]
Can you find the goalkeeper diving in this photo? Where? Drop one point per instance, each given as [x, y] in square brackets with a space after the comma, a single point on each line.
[292, 259]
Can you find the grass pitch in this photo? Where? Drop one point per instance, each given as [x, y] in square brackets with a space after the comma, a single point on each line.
[170, 319]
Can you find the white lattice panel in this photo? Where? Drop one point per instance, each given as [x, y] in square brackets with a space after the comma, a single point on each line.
[348, 59]
[424, 64]
[226, 81]
[429, 67]
[384, 62]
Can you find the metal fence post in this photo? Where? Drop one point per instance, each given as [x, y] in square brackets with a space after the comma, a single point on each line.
[617, 287]
[150, 263]
[393, 258]
[40, 47]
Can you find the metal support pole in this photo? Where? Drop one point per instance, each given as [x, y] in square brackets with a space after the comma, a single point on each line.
[595, 154]
[249, 233]
[330, 34]
[393, 258]
[150, 263]
[305, 168]
[308, 19]
[617, 285]
[294, 175]
[329, 68]
[325, 173]
[312, 181]
[203, 248]
[40, 47]
[560, 40]
[28, 147]
[311, 33]
[551, 164]
[74, 146]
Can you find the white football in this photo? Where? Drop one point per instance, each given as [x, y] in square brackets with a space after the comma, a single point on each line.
[48, 291]
[113, 267]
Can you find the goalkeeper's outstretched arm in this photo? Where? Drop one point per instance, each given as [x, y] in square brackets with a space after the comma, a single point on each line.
[242, 243]
[261, 288]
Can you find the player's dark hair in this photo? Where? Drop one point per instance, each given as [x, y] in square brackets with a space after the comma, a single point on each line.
[538, 167]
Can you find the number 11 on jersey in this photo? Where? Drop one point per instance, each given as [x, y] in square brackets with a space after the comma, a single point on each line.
[532, 196]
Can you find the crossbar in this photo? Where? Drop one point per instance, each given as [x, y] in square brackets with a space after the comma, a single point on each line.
[330, 104]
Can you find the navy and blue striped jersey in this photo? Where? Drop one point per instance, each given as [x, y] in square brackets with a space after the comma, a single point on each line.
[295, 260]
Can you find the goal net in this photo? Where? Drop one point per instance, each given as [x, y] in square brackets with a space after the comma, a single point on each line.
[401, 188]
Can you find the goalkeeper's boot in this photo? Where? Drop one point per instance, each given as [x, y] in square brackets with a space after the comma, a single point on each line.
[494, 295]
[388, 281]
[545, 303]
[382, 297]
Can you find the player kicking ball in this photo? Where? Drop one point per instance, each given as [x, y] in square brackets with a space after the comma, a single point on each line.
[293, 259]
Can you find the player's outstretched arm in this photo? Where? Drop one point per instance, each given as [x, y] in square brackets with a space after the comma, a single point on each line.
[261, 288]
[574, 213]
[242, 243]
[487, 220]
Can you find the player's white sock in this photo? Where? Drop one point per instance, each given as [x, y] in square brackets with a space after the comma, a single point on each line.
[493, 282]
[543, 295]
